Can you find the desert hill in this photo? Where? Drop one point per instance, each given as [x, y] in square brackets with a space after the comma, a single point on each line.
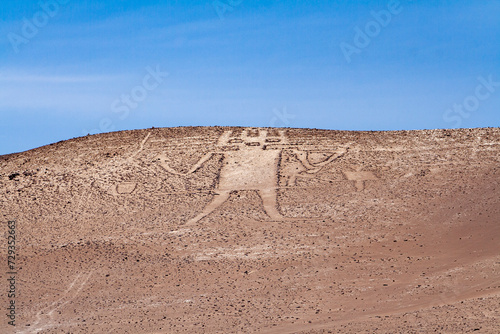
[256, 230]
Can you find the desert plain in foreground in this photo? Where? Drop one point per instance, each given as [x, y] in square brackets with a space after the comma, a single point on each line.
[255, 230]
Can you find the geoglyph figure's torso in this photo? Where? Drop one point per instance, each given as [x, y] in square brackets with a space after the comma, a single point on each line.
[246, 170]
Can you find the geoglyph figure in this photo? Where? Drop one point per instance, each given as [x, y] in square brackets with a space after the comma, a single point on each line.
[251, 161]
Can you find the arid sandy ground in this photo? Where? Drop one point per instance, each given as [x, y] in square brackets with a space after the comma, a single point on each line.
[236, 230]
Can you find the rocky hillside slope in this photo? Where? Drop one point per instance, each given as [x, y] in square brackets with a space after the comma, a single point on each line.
[255, 230]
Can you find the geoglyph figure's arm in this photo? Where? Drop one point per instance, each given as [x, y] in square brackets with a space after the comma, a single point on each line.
[313, 168]
[200, 162]
[164, 164]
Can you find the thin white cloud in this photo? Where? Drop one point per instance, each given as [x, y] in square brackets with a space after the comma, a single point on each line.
[30, 78]
[34, 98]
[21, 90]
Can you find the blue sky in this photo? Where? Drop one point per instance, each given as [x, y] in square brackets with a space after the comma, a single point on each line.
[68, 68]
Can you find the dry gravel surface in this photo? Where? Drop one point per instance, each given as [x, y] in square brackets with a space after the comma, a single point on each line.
[255, 230]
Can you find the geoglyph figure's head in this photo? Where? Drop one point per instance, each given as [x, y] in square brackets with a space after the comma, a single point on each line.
[252, 138]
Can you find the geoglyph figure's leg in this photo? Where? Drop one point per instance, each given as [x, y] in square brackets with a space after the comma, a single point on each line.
[270, 204]
[217, 201]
